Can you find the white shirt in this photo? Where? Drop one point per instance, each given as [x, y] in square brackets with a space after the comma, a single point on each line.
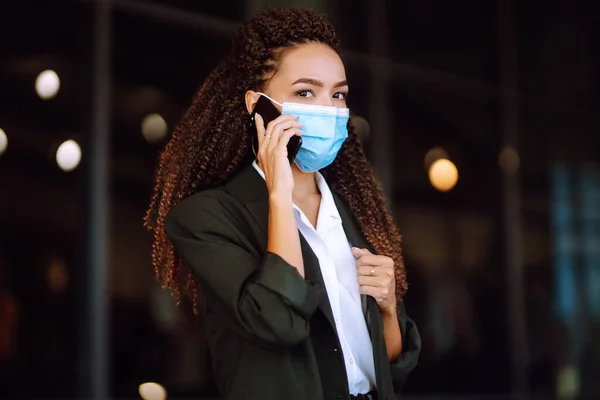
[338, 267]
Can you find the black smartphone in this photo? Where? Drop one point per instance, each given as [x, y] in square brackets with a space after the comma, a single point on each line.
[269, 112]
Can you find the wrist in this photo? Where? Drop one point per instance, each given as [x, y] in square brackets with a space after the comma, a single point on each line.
[389, 312]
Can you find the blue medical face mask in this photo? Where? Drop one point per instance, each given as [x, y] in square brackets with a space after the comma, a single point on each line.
[324, 128]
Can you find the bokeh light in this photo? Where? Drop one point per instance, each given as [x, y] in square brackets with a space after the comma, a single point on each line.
[47, 84]
[435, 154]
[152, 391]
[443, 175]
[154, 127]
[3, 142]
[57, 275]
[509, 159]
[68, 155]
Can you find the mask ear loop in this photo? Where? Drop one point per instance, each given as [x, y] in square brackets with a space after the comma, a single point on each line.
[274, 101]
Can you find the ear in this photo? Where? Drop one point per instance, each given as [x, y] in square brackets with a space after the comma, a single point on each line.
[251, 98]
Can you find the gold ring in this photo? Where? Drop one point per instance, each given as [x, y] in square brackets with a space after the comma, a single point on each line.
[268, 135]
[372, 271]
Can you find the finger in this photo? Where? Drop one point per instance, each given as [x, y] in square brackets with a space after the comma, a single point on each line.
[371, 259]
[262, 139]
[380, 293]
[278, 129]
[284, 117]
[281, 119]
[369, 270]
[284, 139]
[372, 291]
[259, 122]
[385, 276]
[375, 260]
[265, 132]
[260, 133]
[359, 252]
[374, 281]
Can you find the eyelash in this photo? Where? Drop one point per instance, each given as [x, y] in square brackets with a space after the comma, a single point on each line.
[300, 92]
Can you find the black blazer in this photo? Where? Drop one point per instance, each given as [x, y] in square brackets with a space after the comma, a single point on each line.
[271, 333]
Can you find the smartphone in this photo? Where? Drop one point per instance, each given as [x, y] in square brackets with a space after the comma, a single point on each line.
[269, 112]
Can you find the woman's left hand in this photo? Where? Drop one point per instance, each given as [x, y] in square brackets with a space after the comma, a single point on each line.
[376, 278]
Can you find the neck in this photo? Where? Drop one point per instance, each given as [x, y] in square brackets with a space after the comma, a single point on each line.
[304, 183]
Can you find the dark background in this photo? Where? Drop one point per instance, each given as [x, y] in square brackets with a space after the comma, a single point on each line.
[504, 268]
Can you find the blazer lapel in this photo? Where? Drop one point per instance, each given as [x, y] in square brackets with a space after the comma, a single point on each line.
[383, 374]
[370, 307]
[250, 188]
[312, 273]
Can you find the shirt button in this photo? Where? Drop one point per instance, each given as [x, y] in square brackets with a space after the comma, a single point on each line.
[351, 361]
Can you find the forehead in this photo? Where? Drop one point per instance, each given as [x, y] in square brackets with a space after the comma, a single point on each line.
[312, 60]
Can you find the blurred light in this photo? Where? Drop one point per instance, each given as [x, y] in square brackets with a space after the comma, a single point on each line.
[154, 127]
[47, 84]
[152, 391]
[68, 155]
[568, 383]
[3, 141]
[509, 159]
[57, 275]
[434, 154]
[443, 175]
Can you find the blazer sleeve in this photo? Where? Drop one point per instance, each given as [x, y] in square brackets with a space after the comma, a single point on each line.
[411, 348]
[260, 296]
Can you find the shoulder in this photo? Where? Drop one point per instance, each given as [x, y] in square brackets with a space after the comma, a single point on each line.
[220, 211]
[208, 208]
[206, 200]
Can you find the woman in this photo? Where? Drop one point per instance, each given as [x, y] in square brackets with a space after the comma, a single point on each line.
[298, 274]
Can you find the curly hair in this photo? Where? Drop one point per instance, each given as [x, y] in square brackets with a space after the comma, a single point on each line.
[211, 144]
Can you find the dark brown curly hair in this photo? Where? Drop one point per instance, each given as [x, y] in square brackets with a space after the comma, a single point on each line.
[211, 144]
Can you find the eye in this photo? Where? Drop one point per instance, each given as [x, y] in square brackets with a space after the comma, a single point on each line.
[340, 95]
[305, 93]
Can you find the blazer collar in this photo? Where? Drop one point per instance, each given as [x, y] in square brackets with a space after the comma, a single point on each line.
[248, 186]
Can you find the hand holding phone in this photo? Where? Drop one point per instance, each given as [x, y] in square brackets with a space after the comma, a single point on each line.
[273, 144]
[269, 113]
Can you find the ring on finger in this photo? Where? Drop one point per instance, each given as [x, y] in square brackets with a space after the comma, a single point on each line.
[372, 271]
[267, 135]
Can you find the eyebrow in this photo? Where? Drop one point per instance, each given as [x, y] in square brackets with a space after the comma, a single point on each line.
[318, 83]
